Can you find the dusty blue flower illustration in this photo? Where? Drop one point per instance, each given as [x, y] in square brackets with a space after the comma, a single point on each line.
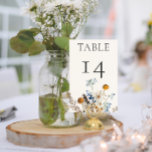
[112, 95]
[90, 97]
[91, 82]
[107, 106]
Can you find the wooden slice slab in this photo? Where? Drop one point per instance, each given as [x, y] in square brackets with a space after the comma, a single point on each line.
[33, 133]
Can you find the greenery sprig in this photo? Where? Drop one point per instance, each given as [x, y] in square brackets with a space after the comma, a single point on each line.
[57, 22]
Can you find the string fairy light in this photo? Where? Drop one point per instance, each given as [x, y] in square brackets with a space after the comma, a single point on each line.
[129, 141]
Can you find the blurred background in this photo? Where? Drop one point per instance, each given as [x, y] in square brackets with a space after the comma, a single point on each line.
[118, 19]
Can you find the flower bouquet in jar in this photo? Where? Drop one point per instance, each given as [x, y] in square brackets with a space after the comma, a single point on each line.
[56, 22]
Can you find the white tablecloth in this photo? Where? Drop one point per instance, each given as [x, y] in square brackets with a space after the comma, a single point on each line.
[129, 113]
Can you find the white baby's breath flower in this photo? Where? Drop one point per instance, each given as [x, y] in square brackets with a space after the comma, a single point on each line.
[30, 7]
[49, 7]
[77, 4]
[50, 15]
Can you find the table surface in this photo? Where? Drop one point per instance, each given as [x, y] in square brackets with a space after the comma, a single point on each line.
[129, 113]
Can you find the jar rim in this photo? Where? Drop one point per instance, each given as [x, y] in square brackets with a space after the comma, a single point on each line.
[57, 53]
[58, 56]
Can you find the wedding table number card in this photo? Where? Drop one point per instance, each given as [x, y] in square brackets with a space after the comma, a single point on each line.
[93, 64]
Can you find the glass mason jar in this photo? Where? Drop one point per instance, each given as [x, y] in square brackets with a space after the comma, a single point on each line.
[54, 96]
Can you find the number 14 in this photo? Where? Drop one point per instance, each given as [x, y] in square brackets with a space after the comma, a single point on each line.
[98, 69]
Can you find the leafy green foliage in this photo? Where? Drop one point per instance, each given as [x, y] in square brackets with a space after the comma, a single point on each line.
[62, 43]
[49, 44]
[62, 109]
[19, 45]
[26, 37]
[67, 29]
[36, 48]
[32, 31]
[35, 31]
[65, 85]
[49, 109]
[24, 42]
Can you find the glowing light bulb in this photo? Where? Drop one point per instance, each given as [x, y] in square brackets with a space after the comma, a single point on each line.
[104, 147]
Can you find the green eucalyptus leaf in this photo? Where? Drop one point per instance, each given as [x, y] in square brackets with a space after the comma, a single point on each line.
[22, 41]
[18, 45]
[62, 43]
[35, 31]
[65, 85]
[67, 29]
[26, 37]
[36, 48]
